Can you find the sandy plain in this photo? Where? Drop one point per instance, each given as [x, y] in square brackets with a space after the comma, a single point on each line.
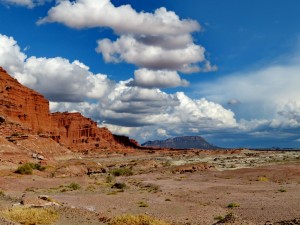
[181, 187]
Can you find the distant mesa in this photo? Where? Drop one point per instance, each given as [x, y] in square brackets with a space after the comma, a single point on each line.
[186, 142]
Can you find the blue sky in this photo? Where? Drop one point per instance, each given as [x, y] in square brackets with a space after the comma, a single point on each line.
[225, 70]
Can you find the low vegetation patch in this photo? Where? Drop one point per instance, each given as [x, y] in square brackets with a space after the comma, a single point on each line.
[71, 187]
[119, 185]
[219, 218]
[121, 172]
[228, 218]
[136, 220]
[28, 168]
[90, 188]
[109, 179]
[282, 190]
[2, 194]
[74, 186]
[233, 205]
[143, 204]
[31, 216]
[152, 188]
[262, 179]
[149, 187]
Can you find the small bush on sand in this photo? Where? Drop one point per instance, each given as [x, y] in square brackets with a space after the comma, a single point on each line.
[37, 166]
[109, 179]
[119, 185]
[136, 220]
[74, 186]
[282, 190]
[90, 188]
[2, 194]
[24, 169]
[218, 218]
[151, 187]
[28, 168]
[31, 216]
[143, 204]
[233, 205]
[121, 172]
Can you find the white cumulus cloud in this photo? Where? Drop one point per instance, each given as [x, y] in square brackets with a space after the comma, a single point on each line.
[57, 78]
[130, 50]
[11, 57]
[142, 107]
[156, 41]
[265, 101]
[144, 112]
[123, 19]
[158, 78]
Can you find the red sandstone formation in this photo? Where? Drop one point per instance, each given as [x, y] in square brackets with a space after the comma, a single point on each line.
[24, 111]
[22, 105]
[80, 133]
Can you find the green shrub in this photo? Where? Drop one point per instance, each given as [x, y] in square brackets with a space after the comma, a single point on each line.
[28, 168]
[233, 205]
[74, 186]
[24, 169]
[282, 190]
[37, 166]
[121, 172]
[91, 188]
[143, 204]
[119, 185]
[219, 218]
[151, 187]
[109, 179]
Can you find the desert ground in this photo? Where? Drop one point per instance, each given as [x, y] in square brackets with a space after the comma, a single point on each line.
[180, 187]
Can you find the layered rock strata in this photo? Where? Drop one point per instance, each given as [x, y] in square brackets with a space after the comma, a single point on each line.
[25, 111]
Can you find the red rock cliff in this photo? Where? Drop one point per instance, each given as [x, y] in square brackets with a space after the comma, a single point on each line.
[80, 133]
[26, 111]
[22, 105]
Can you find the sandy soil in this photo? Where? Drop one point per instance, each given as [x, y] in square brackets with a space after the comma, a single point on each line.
[188, 187]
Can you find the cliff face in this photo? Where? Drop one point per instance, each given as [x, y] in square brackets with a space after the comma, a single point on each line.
[24, 111]
[22, 105]
[187, 142]
[80, 133]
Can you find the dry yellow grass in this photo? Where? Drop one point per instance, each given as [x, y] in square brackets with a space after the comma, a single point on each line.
[262, 179]
[31, 216]
[136, 220]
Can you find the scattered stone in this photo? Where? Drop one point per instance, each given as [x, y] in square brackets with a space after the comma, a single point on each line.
[2, 119]
[90, 208]
[40, 157]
